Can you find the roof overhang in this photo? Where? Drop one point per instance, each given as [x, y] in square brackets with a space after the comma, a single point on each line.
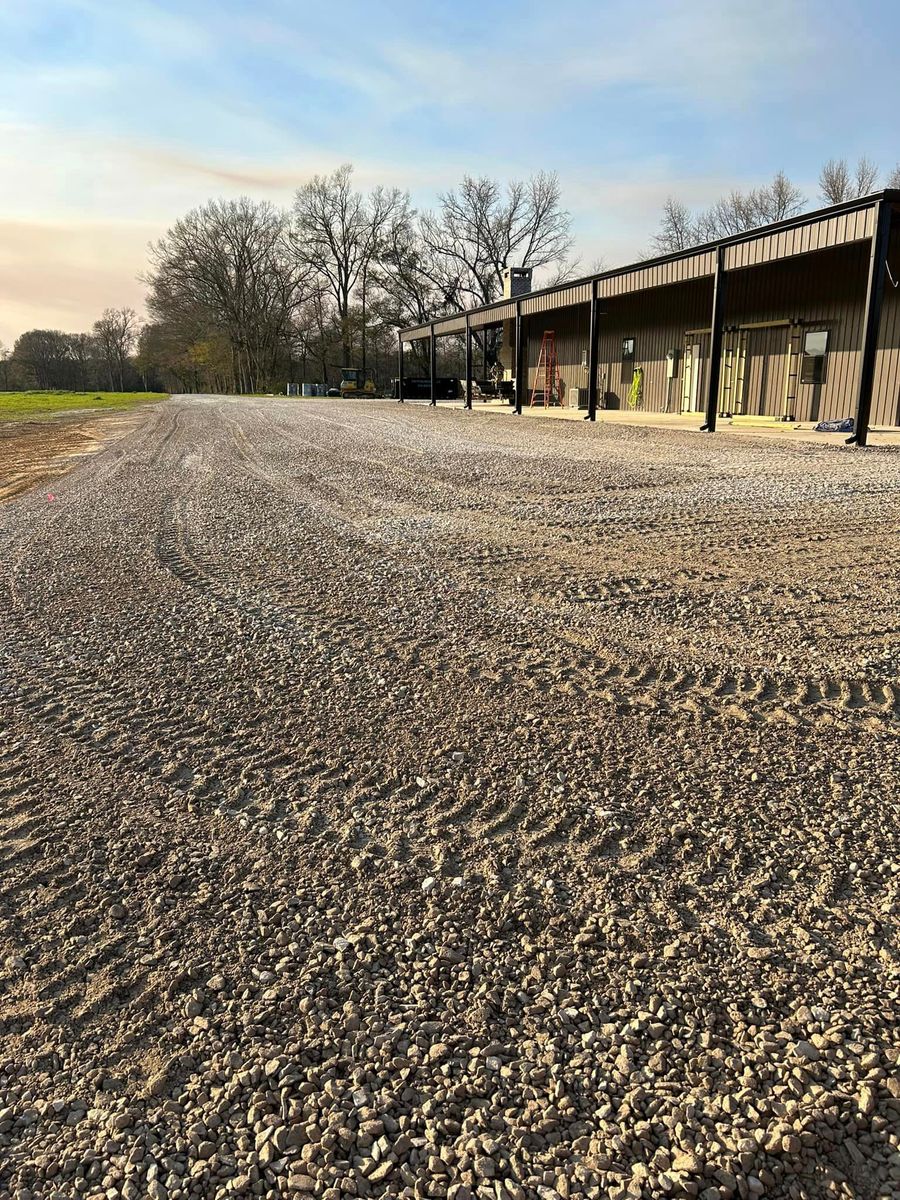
[825, 229]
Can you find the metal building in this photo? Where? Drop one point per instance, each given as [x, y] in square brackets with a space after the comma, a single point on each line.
[799, 320]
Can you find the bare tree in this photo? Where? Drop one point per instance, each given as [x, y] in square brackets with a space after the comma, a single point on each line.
[414, 282]
[866, 178]
[837, 184]
[480, 229]
[338, 233]
[740, 211]
[730, 215]
[677, 230]
[776, 202]
[45, 358]
[5, 356]
[228, 270]
[893, 179]
[83, 352]
[115, 335]
[834, 181]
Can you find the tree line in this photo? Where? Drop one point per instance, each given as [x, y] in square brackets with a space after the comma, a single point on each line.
[244, 296]
[739, 211]
[101, 360]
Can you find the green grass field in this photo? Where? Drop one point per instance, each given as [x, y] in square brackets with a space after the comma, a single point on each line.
[16, 406]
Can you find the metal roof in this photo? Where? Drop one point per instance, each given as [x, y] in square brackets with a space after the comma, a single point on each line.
[839, 227]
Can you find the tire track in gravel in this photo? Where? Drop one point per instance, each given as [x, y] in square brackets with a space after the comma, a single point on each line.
[657, 683]
[76, 703]
[650, 685]
[773, 696]
[72, 700]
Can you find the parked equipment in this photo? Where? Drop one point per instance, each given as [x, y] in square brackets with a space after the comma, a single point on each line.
[418, 387]
[356, 383]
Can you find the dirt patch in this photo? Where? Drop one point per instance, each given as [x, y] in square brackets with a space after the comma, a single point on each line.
[35, 452]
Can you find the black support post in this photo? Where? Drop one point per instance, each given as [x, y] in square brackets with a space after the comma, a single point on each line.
[467, 401]
[399, 369]
[593, 358]
[432, 367]
[872, 321]
[519, 360]
[715, 343]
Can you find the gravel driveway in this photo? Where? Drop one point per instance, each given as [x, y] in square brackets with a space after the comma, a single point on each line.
[422, 803]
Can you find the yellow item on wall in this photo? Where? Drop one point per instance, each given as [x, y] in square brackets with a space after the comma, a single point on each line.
[636, 396]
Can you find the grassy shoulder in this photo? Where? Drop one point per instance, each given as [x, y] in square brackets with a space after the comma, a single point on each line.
[17, 406]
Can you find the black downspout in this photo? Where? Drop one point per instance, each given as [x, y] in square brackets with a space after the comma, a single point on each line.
[433, 368]
[468, 396]
[593, 357]
[715, 343]
[872, 322]
[400, 368]
[519, 360]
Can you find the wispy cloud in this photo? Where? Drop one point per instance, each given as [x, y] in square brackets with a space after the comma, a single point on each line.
[123, 114]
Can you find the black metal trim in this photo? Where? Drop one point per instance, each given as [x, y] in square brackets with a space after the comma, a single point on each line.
[467, 400]
[519, 360]
[432, 367]
[715, 342]
[872, 323]
[593, 356]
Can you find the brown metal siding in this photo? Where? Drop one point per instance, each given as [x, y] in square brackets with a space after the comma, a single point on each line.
[823, 291]
[493, 315]
[561, 298]
[450, 325]
[571, 328]
[678, 271]
[818, 235]
[657, 321]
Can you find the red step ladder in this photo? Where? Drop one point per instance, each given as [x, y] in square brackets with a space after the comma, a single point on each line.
[547, 372]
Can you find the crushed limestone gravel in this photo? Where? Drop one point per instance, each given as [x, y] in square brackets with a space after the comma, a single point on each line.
[415, 803]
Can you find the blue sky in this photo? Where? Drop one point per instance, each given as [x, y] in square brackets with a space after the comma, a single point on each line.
[116, 117]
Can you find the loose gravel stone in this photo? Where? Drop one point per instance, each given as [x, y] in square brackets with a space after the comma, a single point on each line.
[413, 803]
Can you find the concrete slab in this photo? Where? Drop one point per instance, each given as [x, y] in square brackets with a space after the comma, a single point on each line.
[796, 432]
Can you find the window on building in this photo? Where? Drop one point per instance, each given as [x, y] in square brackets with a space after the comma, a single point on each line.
[627, 360]
[815, 351]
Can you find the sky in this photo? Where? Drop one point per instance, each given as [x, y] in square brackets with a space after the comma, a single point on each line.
[118, 116]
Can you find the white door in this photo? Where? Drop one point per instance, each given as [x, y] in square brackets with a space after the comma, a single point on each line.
[693, 374]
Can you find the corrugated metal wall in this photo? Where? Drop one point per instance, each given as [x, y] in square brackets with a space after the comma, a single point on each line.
[450, 325]
[658, 322]
[493, 315]
[824, 291]
[677, 271]
[886, 391]
[818, 235]
[560, 298]
[571, 327]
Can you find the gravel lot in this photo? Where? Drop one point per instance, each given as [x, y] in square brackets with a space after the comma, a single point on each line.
[419, 803]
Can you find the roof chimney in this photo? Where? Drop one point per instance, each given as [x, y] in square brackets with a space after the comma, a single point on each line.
[516, 281]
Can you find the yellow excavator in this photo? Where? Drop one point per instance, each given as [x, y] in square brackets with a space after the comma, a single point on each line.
[356, 383]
